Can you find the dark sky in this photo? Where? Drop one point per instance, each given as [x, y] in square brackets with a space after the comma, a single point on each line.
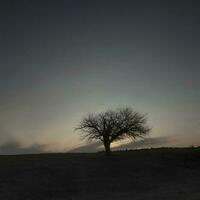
[63, 59]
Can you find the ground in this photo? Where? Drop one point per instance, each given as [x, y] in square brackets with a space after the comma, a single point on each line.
[167, 174]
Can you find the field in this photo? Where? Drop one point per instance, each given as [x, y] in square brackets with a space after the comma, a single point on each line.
[153, 174]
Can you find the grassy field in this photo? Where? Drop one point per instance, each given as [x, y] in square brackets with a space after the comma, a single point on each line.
[155, 174]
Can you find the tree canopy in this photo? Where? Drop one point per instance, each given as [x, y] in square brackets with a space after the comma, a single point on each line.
[114, 125]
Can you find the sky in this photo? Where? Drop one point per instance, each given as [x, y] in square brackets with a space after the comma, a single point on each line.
[63, 59]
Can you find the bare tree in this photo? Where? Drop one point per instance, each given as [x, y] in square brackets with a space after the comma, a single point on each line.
[114, 125]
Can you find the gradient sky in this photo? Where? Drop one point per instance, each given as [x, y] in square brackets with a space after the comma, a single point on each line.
[60, 60]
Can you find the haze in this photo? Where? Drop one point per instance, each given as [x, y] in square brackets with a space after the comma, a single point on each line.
[61, 60]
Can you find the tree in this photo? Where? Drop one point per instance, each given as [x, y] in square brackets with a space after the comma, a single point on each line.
[114, 125]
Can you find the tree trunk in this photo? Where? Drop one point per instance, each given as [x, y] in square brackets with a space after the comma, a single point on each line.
[107, 148]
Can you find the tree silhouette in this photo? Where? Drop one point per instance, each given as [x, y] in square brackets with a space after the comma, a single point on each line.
[114, 125]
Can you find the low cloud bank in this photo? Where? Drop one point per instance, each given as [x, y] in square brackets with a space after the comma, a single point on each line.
[14, 147]
[155, 142]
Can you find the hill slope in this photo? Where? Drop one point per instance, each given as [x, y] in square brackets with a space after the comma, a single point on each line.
[139, 175]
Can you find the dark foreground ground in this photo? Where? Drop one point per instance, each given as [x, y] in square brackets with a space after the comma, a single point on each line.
[164, 174]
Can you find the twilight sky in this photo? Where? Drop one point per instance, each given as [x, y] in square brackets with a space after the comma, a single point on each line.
[62, 59]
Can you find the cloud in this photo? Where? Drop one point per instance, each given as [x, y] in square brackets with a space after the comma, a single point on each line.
[148, 143]
[91, 147]
[15, 148]
[154, 142]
